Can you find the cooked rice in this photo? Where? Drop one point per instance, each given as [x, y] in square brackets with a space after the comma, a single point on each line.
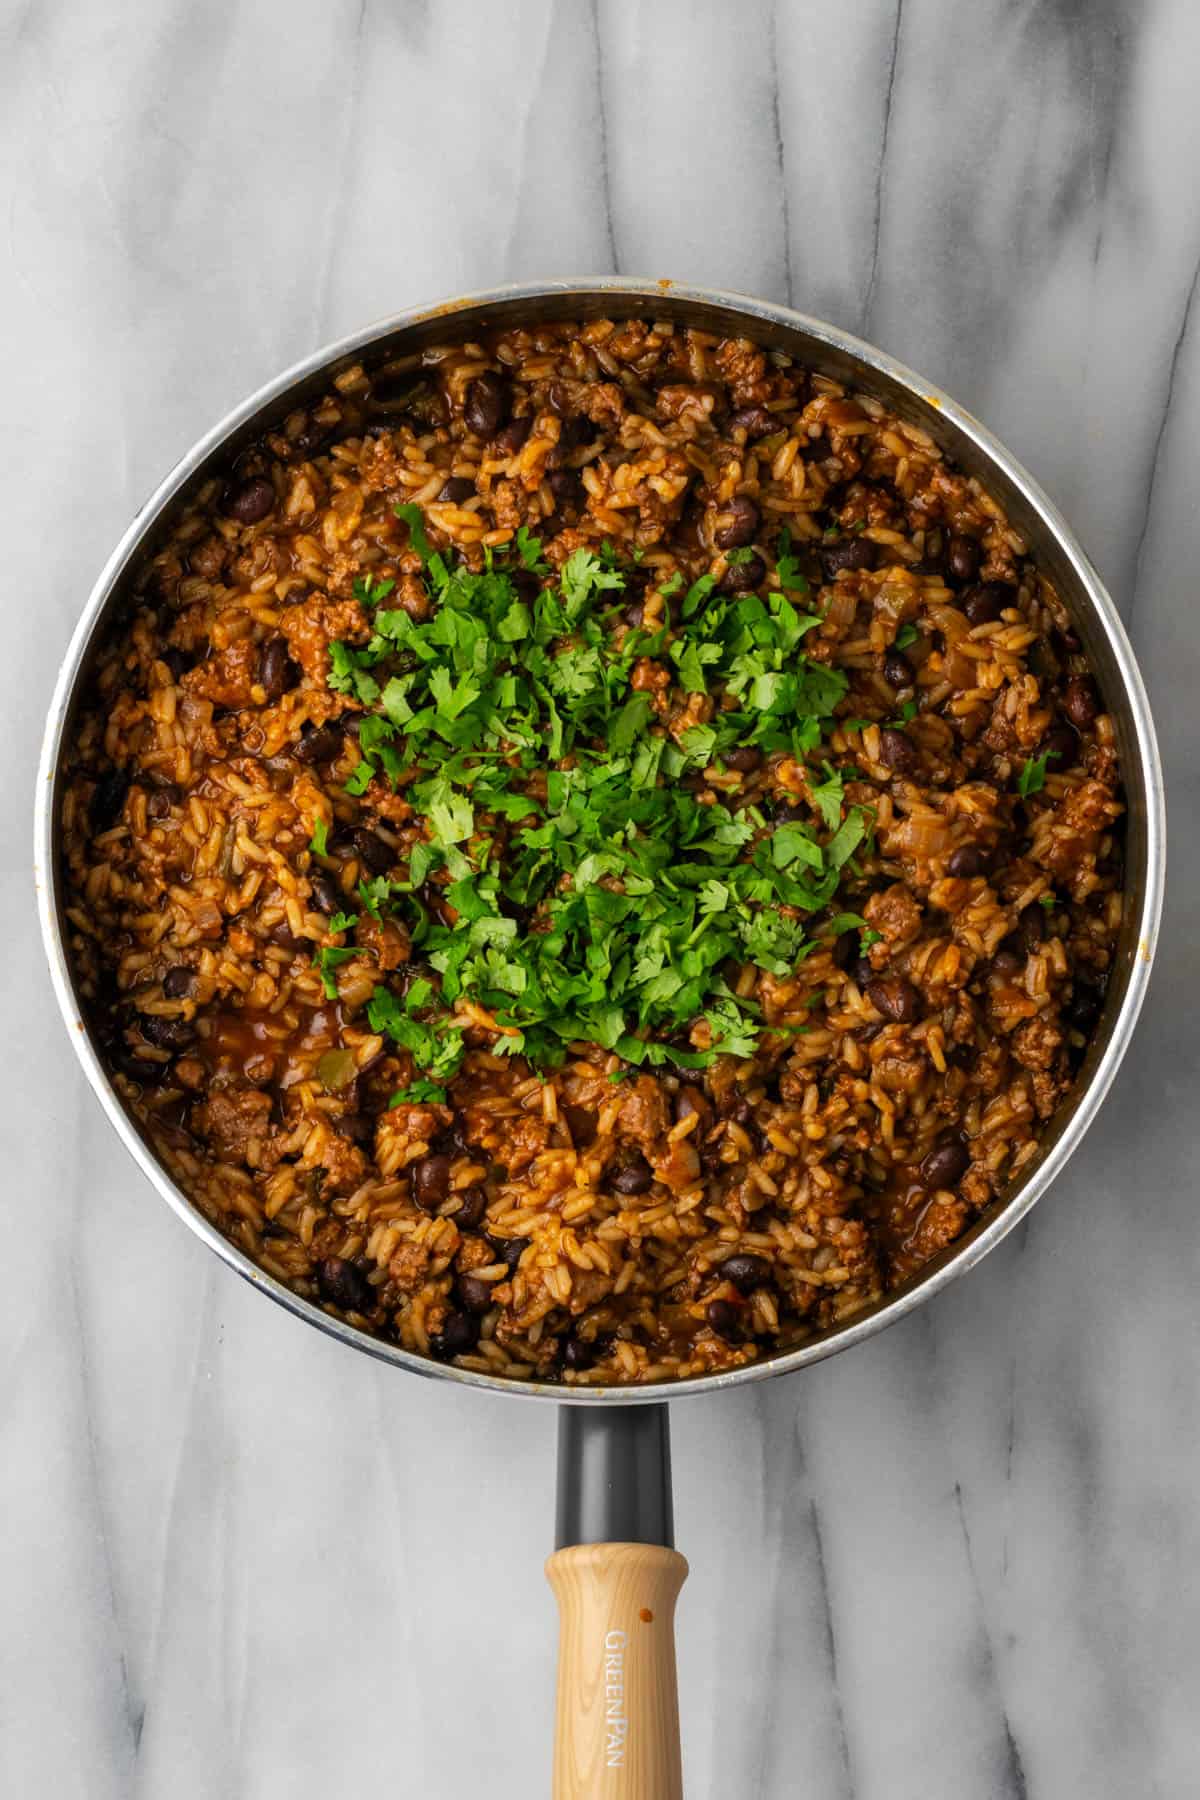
[842, 1157]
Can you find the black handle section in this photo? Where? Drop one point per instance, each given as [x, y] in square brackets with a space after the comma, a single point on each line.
[614, 1476]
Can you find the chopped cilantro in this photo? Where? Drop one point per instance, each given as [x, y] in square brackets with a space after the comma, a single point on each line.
[327, 960]
[867, 938]
[743, 554]
[907, 634]
[349, 673]
[787, 566]
[371, 593]
[828, 796]
[1047, 900]
[419, 1093]
[319, 841]
[584, 575]
[411, 514]
[563, 877]
[529, 551]
[1032, 778]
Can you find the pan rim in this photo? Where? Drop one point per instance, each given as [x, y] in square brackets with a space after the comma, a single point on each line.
[959, 1258]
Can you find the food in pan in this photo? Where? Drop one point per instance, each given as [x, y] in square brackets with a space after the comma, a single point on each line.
[593, 853]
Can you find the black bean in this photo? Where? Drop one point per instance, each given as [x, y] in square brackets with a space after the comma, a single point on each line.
[577, 431]
[742, 577]
[946, 1165]
[566, 487]
[863, 971]
[472, 1208]
[967, 861]
[283, 935]
[178, 981]
[755, 421]
[510, 1251]
[690, 1100]
[844, 949]
[159, 805]
[1032, 926]
[577, 1354]
[177, 662]
[1061, 747]
[488, 403]
[250, 501]
[740, 525]
[140, 1068]
[473, 1295]
[458, 489]
[746, 1272]
[327, 896]
[108, 797]
[458, 1337]
[311, 437]
[581, 1123]
[896, 750]
[962, 557]
[724, 1318]
[512, 438]
[745, 759]
[1006, 963]
[373, 850]
[320, 743]
[166, 1034]
[896, 998]
[358, 1127]
[430, 1181]
[984, 603]
[1083, 1008]
[1043, 663]
[633, 1175]
[784, 811]
[741, 1111]
[847, 553]
[344, 1284]
[897, 670]
[1080, 702]
[276, 670]
[392, 392]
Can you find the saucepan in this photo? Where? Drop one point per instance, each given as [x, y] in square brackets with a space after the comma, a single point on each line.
[615, 1571]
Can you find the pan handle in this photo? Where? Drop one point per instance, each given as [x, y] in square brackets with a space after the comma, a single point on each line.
[616, 1577]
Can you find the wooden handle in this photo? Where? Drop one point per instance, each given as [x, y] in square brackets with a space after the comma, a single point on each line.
[617, 1728]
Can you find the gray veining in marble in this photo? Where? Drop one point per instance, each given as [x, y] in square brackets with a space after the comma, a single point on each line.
[238, 1562]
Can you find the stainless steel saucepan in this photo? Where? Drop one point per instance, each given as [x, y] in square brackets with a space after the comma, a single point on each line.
[615, 1571]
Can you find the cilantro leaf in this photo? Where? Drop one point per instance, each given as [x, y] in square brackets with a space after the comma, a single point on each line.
[1032, 778]
[327, 960]
[411, 514]
[370, 592]
[419, 1093]
[529, 550]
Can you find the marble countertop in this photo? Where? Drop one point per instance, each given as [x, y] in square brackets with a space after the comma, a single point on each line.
[241, 1563]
